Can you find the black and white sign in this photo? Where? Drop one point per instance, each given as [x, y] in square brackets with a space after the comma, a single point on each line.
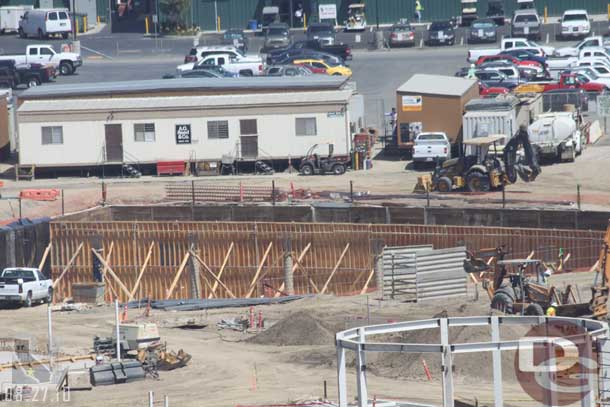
[183, 134]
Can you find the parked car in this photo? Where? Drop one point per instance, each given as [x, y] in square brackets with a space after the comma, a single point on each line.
[287, 70]
[595, 41]
[230, 64]
[586, 74]
[441, 33]
[494, 78]
[237, 38]
[495, 11]
[216, 69]
[277, 36]
[573, 81]
[25, 286]
[507, 69]
[308, 54]
[401, 35]
[575, 23]
[431, 147]
[526, 55]
[510, 43]
[30, 75]
[66, 62]
[319, 66]
[489, 91]
[323, 32]
[600, 67]
[198, 53]
[340, 50]
[254, 62]
[483, 30]
[526, 23]
[42, 23]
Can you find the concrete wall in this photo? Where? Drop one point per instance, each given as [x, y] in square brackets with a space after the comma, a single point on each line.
[543, 219]
[84, 140]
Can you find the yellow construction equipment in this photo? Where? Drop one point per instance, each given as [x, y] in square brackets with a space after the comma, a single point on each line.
[599, 303]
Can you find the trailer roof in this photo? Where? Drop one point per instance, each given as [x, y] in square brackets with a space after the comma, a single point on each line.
[185, 102]
[437, 85]
[191, 85]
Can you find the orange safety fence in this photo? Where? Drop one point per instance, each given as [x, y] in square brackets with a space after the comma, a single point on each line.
[39, 194]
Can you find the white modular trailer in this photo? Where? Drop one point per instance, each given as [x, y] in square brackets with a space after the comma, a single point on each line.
[86, 132]
[10, 17]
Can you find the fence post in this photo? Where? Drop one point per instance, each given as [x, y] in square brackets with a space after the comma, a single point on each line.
[273, 192]
[578, 195]
[351, 191]
[192, 193]
[63, 206]
[20, 208]
[503, 196]
[393, 287]
[379, 272]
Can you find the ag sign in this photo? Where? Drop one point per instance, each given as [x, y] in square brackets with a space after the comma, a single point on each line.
[411, 103]
[183, 134]
[327, 11]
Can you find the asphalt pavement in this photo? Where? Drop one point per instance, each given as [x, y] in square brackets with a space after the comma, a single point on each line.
[123, 57]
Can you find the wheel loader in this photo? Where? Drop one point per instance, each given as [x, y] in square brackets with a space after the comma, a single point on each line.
[484, 171]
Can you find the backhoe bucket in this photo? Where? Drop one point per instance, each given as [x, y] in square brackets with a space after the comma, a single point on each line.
[424, 183]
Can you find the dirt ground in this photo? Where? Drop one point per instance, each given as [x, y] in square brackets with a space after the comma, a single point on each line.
[288, 361]
[388, 181]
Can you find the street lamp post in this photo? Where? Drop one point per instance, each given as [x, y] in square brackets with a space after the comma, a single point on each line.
[74, 20]
[377, 13]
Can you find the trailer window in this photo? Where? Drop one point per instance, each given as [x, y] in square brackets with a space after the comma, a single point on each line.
[52, 16]
[144, 132]
[52, 135]
[306, 126]
[248, 127]
[63, 15]
[218, 129]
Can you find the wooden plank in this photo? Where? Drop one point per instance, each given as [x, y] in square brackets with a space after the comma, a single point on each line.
[222, 269]
[104, 277]
[146, 260]
[332, 274]
[368, 280]
[67, 267]
[294, 268]
[44, 256]
[111, 272]
[178, 274]
[207, 268]
[258, 270]
[314, 286]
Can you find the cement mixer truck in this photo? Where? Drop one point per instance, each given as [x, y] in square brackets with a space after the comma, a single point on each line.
[556, 136]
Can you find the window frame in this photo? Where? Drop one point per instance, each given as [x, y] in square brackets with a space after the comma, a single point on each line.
[216, 133]
[145, 133]
[52, 139]
[305, 126]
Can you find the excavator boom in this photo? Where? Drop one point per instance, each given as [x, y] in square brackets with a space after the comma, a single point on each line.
[528, 170]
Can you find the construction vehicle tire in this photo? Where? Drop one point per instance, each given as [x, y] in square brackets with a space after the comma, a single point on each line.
[508, 290]
[534, 310]
[502, 302]
[307, 169]
[477, 182]
[444, 184]
[339, 169]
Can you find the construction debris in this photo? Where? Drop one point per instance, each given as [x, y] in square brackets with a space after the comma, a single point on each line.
[197, 304]
[239, 324]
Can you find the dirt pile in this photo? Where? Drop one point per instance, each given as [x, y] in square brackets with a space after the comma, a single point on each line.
[298, 329]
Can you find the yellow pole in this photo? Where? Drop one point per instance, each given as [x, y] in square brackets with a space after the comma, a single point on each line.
[85, 24]
[146, 24]
[305, 18]
[546, 14]
[98, 19]
[218, 24]
[609, 11]
[77, 28]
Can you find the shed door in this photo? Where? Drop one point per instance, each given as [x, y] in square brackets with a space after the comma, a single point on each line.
[114, 142]
[249, 146]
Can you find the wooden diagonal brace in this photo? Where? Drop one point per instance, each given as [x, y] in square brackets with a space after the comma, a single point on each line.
[146, 260]
[178, 274]
[222, 269]
[67, 267]
[111, 272]
[332, 274]
[207, 268]
[258, 270]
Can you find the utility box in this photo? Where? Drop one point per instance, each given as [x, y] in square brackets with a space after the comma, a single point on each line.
[89, 293]
[432, 103]
[79, 379]
[139, 336]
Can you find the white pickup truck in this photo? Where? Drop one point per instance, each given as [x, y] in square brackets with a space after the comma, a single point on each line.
[430, 147]
[246, 66]
[589, 42]
[65, 62]
[590, 53]
[25, 286]
[507, 43]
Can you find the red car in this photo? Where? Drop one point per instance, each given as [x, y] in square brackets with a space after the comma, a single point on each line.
[509, 58]
[485, 90]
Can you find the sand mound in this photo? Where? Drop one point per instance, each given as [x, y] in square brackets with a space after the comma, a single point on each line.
[298, 329]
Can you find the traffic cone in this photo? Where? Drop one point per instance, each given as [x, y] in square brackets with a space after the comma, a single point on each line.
[124, 316]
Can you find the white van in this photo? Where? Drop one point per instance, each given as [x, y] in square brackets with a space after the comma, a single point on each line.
[42, 23]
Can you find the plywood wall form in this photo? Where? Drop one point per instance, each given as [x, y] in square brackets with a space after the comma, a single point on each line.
[242, 247]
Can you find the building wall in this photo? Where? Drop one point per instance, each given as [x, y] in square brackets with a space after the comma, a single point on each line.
[84, 140]
[236, 13]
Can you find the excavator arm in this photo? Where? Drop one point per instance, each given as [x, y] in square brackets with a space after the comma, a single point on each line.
[528, 170]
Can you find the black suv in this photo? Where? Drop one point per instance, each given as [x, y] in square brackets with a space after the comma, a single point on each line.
[441, 33]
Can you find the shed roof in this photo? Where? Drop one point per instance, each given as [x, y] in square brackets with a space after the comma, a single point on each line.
[437, 85]
[185, 102]
[185, 85]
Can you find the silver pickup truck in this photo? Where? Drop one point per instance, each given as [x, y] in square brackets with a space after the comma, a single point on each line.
[25, 286]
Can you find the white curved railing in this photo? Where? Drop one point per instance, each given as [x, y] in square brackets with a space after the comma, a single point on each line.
[355, 339]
